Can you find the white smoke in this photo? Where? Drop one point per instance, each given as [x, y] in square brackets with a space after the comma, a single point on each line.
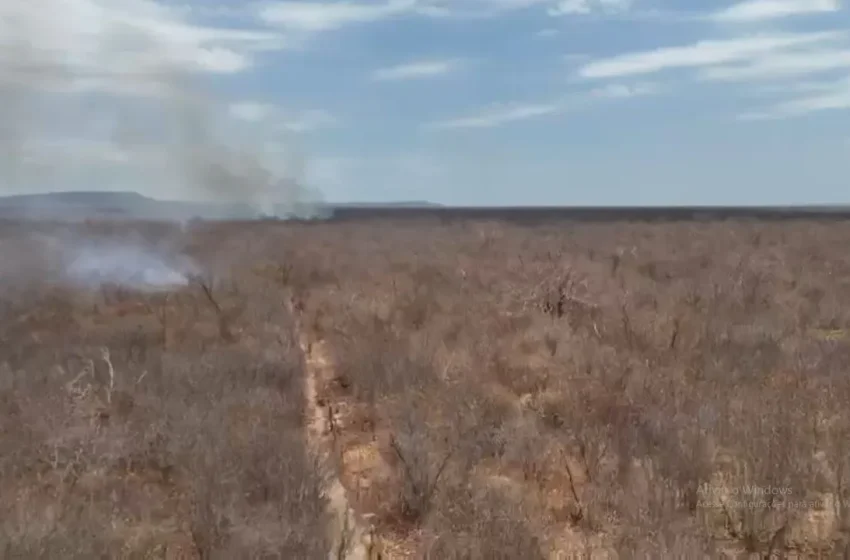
[76, 258]
[127, 265]
[131, 80]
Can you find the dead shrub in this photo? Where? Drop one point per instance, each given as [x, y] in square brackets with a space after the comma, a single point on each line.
[479, 524]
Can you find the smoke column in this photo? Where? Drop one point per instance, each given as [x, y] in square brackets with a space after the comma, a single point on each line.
[110, 95]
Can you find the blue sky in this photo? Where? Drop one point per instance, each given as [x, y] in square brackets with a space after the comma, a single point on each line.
[483, 102]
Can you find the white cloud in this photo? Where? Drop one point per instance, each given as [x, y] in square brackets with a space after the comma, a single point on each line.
[292, 121]
[583, 7]
[623, 91]
[834, 96]
[118, 45]
[489, 8]
[316, 16]
[416, 70]
[325, 16]
[779, 65]
[791, 87]
[500, 115]
[486, 7]
[476, 9]
[779, 57]
[700, 54]
[555, 8]
[547, 33]
[760, 10]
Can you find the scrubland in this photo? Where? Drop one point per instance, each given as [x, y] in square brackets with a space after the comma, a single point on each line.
[617, 390]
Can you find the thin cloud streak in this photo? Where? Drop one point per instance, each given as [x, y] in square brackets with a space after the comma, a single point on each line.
[313, 17]
[292, 121]
[700, 54]
[500, 116]
[762, 10]
[416, 70]
[782, 65]
[831, 98]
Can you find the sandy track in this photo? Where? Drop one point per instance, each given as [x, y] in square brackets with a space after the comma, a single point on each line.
[352, 537]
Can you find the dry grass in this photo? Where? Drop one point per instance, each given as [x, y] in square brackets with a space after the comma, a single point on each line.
[591, 389]
[154, 426]
[562, 391]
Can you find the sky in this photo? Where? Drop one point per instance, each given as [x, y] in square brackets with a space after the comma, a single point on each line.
[465, 102]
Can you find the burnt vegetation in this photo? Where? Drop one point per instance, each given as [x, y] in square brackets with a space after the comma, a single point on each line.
[496, 391]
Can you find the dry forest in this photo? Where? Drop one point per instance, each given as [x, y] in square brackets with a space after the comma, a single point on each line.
[425, 389]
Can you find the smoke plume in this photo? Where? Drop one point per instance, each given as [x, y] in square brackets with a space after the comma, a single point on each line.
[129, 265]
[117, 95]
[76, 257]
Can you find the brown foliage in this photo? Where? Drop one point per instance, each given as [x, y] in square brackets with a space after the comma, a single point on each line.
[155, 425]
[618, 376]
[513, 392]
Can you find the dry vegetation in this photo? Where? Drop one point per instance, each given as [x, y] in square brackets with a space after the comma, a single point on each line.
[494, 391]
[140, 425]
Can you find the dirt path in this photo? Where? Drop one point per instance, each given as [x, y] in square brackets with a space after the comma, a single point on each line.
[352, 538]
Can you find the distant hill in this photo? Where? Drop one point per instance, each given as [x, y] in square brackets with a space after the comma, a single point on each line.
[130, 205]
[74, 206]
[90, 198]
[91, 204]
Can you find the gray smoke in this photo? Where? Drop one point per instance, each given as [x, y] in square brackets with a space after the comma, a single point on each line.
[129, 265]
[74, 257]
[116, 95]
